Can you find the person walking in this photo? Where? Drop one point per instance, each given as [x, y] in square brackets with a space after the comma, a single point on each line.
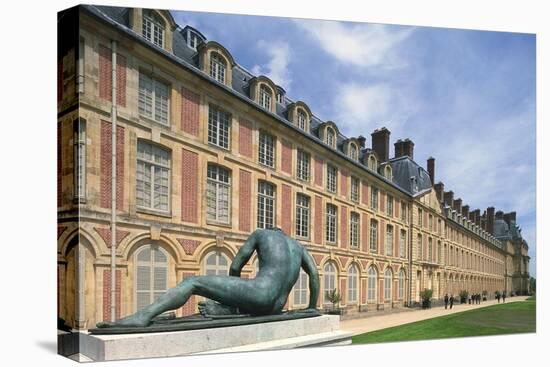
[446, 300]
[451, 301]
[503, 296]
[498, 297]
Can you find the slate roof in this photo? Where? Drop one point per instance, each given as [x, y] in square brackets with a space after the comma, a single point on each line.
[410, 176]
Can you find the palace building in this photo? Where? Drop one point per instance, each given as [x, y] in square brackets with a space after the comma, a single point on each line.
[170, 154]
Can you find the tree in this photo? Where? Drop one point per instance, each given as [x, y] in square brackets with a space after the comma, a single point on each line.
[533, 284]
[334, 297]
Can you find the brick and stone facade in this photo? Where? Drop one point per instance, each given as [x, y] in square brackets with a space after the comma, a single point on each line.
[462, 255]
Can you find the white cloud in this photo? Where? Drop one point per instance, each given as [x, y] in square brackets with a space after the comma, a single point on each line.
[277, 67]
[363, 45]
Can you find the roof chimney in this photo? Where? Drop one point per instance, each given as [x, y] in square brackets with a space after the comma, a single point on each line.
[499, 215]
[448, 198]
[484, 221]
[404, 147]
[457, 205]
[477, 217]
[431, 169]
[381, 143]
[513, 216]
[361, 139]
[490, 226]
[507, 218]
[439, 187]
[465, 211]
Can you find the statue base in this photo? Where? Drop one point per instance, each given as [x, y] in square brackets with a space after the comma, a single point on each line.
[291, 333]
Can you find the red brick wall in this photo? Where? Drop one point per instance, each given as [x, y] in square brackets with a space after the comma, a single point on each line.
[396, 236]
[363, 291]
[381, 236]
[105, 234]
[286, 157]
[425, 222]
[190, 102]
[318, 221]
[344, 227]
[189, 246]
[286, 209]
[364, 193]
[107, 295]
[344, 183]
[59, 165]
[245, 197]
[105, 166]
[245, 138]
[382, 201]
[381, 289]
[343, 291]
[189, 307]
[189, 186]
[318, 171]
[397, 208]
[105, 79]
[365, 232]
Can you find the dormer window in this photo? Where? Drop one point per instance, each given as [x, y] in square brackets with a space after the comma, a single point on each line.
[301, 120]
[353, 152]
[193, 39]
[265, 97]
[280, 98]
[331, 137]
[372, 163]
[387, 172]
[218, 67]
[153, 28]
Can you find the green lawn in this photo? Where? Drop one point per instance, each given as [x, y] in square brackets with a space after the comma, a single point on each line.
[508, 318]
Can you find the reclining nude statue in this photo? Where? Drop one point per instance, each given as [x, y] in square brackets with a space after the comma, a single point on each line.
[280, 259]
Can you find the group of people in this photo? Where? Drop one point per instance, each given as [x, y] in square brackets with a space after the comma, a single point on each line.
[503, 295]
[475, 299]
[449, 301]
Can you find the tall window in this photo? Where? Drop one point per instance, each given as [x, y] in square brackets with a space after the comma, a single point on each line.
[151, 274]
[266, 150]
[265, 97]
[387, 284]
[153, 29]
[332, 174]
[192, 39]
[387, 172]
[331, 137]
[302, 167]
[218, 194]
[373, 236]
[354, 230]
[389, 208]
[79, 153]
[354, 192]
[389, 240]
[216, 263]
[302, 119]
[402, 243]
[219, 124]
[372, 163]
[419, 243]
[401, 285]
[374, 198]
[404, 212]
[329, 280]
[371, 293]
[302, 216]
[430, 222]
[353, 279]
[353, 152]
[218, 67]
[332, 213]
[439, 252]
[300, 289]
[419, 217]
[266, 205]
[154, 99]
[152, 176]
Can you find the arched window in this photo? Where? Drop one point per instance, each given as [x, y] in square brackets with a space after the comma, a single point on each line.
[401, 290]
[387, 173]
[372, 280]
[353, 280]
[372, 163]
[151, 275]
[218, 67]
[329, 280]
[153, 28]
[216, 263]
[387, 284]
[353, 152]
[301, 119]
[300, 289]
[265, 97]
[331, 137]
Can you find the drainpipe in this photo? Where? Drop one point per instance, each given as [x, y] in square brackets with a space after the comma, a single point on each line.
[410, 252]
[113, 179]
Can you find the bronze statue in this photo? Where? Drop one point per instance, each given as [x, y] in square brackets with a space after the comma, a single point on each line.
[280, 259]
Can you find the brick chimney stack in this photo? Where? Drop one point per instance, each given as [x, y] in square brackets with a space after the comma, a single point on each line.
[381, 143]
[513, 216]
[490, 226]
[457, 205]
[431, 168]
[361, 139]
[404, 147]
[507, 218]
[439, 187]
[465, 211]
[477, 217]
[499, 215]
[484, 221]
[448, 198]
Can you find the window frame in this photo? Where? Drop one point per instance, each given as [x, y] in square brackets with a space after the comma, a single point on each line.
[331, 224]
[303, 211]
[218, 67]
[219, 120]
[354, 229]
[354, 189]
[79, 159]
[264, 152]
[333, 272]
[353, 281]
[155, 25]
[265, 97]
[374, 198]
[372, 286]
[142, 97]
[264, 198]
[218, 186]
[152, 264]
[332, 178]
[388, 280]
[303, 165]
[373, 236]
[153, 165]
[389, 240]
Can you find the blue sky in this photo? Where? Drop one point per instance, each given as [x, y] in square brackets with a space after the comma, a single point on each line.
[465, 97]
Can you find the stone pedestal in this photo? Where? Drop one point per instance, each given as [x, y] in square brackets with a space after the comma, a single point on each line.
[315, 331]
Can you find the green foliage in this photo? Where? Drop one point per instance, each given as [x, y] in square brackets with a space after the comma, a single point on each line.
[497, 293]
[426, 295]
[334, 297]
[463, 294]
[533, 284]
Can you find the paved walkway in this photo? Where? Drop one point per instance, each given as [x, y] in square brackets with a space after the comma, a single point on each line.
[372, 323]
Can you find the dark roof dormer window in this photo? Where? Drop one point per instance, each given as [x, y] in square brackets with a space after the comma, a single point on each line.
[153, 28]
[217, 67]
[192, 37]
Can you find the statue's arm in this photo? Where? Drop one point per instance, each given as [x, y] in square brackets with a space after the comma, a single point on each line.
[308, 264]
[243, 255]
